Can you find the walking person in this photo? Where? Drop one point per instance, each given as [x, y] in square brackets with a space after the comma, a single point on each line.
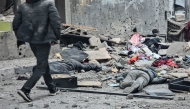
[38, 23]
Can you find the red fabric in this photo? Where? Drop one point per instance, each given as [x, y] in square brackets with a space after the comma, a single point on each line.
[187, 32]
[168, 62]
[133, 60]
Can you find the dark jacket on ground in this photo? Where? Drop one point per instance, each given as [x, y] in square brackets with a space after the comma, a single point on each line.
[37, 22]
[154, 78]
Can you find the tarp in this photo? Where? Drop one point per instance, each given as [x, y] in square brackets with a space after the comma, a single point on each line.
[74, 53]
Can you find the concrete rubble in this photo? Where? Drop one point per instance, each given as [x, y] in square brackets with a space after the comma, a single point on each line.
[99, 88]
[114, 60]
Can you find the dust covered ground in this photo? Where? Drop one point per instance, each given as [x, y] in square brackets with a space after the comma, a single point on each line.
[9, 99]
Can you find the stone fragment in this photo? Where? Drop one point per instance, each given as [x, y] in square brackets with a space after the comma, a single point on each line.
[94, 42]
[30, 105]
[46, 105]
[143, 63]
[118, 107]
[129, 97]
[115, 57]
[86, 100]
[107, 103]
[125, 106]
[62, 102]
[181, 98]
[74, 105]
[179, 75]
[52, 101]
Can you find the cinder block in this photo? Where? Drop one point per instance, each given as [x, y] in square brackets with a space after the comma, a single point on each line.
[180, 17]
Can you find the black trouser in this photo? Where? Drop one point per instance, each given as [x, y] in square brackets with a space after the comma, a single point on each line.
[41, 52]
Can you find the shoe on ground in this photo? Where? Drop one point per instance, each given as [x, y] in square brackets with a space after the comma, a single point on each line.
[24, 95]
[54, 92]
[133, 88]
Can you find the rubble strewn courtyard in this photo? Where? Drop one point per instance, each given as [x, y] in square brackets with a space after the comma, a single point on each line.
[137, 58]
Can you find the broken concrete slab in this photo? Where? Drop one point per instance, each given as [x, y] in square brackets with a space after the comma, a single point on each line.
[177, 48]
[103, 45]
[159, 92]
[94, 42]
[178, 75]
[123, 61]
[115, 57]
[100, 54]
[143, 63]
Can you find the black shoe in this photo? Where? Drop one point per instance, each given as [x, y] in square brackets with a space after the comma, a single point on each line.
[53, 92]
[24, 95]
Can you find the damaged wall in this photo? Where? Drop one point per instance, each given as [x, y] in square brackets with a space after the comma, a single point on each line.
[119, 17]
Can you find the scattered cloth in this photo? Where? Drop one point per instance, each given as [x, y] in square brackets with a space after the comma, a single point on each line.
[79, 45]
[152, 44]
[185, 63]
[133, 60]
[75, 54]
[136, 39]
[163, 61]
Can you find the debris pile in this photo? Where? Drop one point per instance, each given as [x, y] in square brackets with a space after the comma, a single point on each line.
[130, 64]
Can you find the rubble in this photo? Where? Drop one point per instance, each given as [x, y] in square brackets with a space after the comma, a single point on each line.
[46, 105]
[113, 59]
[181, 98]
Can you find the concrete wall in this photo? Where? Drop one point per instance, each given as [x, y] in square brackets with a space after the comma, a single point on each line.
[187, 9]
[119, 17]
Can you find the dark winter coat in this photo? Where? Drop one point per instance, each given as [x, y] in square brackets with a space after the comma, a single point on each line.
[154, 78]
[37, 22]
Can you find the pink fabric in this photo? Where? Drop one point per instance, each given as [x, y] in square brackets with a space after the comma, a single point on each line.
[136, 39]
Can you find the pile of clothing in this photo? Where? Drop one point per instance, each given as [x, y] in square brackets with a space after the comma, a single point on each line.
[165, 61]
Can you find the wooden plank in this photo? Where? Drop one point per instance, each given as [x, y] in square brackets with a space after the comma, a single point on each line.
[89, 84]
[60, 76]
[101, 54]
[80, 27]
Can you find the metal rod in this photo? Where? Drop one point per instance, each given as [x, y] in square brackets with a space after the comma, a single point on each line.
[111, 93]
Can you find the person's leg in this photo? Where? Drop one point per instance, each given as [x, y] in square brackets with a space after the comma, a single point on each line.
[130, 78]
[141, 81]
[49, 82]
[41, 53]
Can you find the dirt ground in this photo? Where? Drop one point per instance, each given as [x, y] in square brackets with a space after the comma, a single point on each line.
[68, 100]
